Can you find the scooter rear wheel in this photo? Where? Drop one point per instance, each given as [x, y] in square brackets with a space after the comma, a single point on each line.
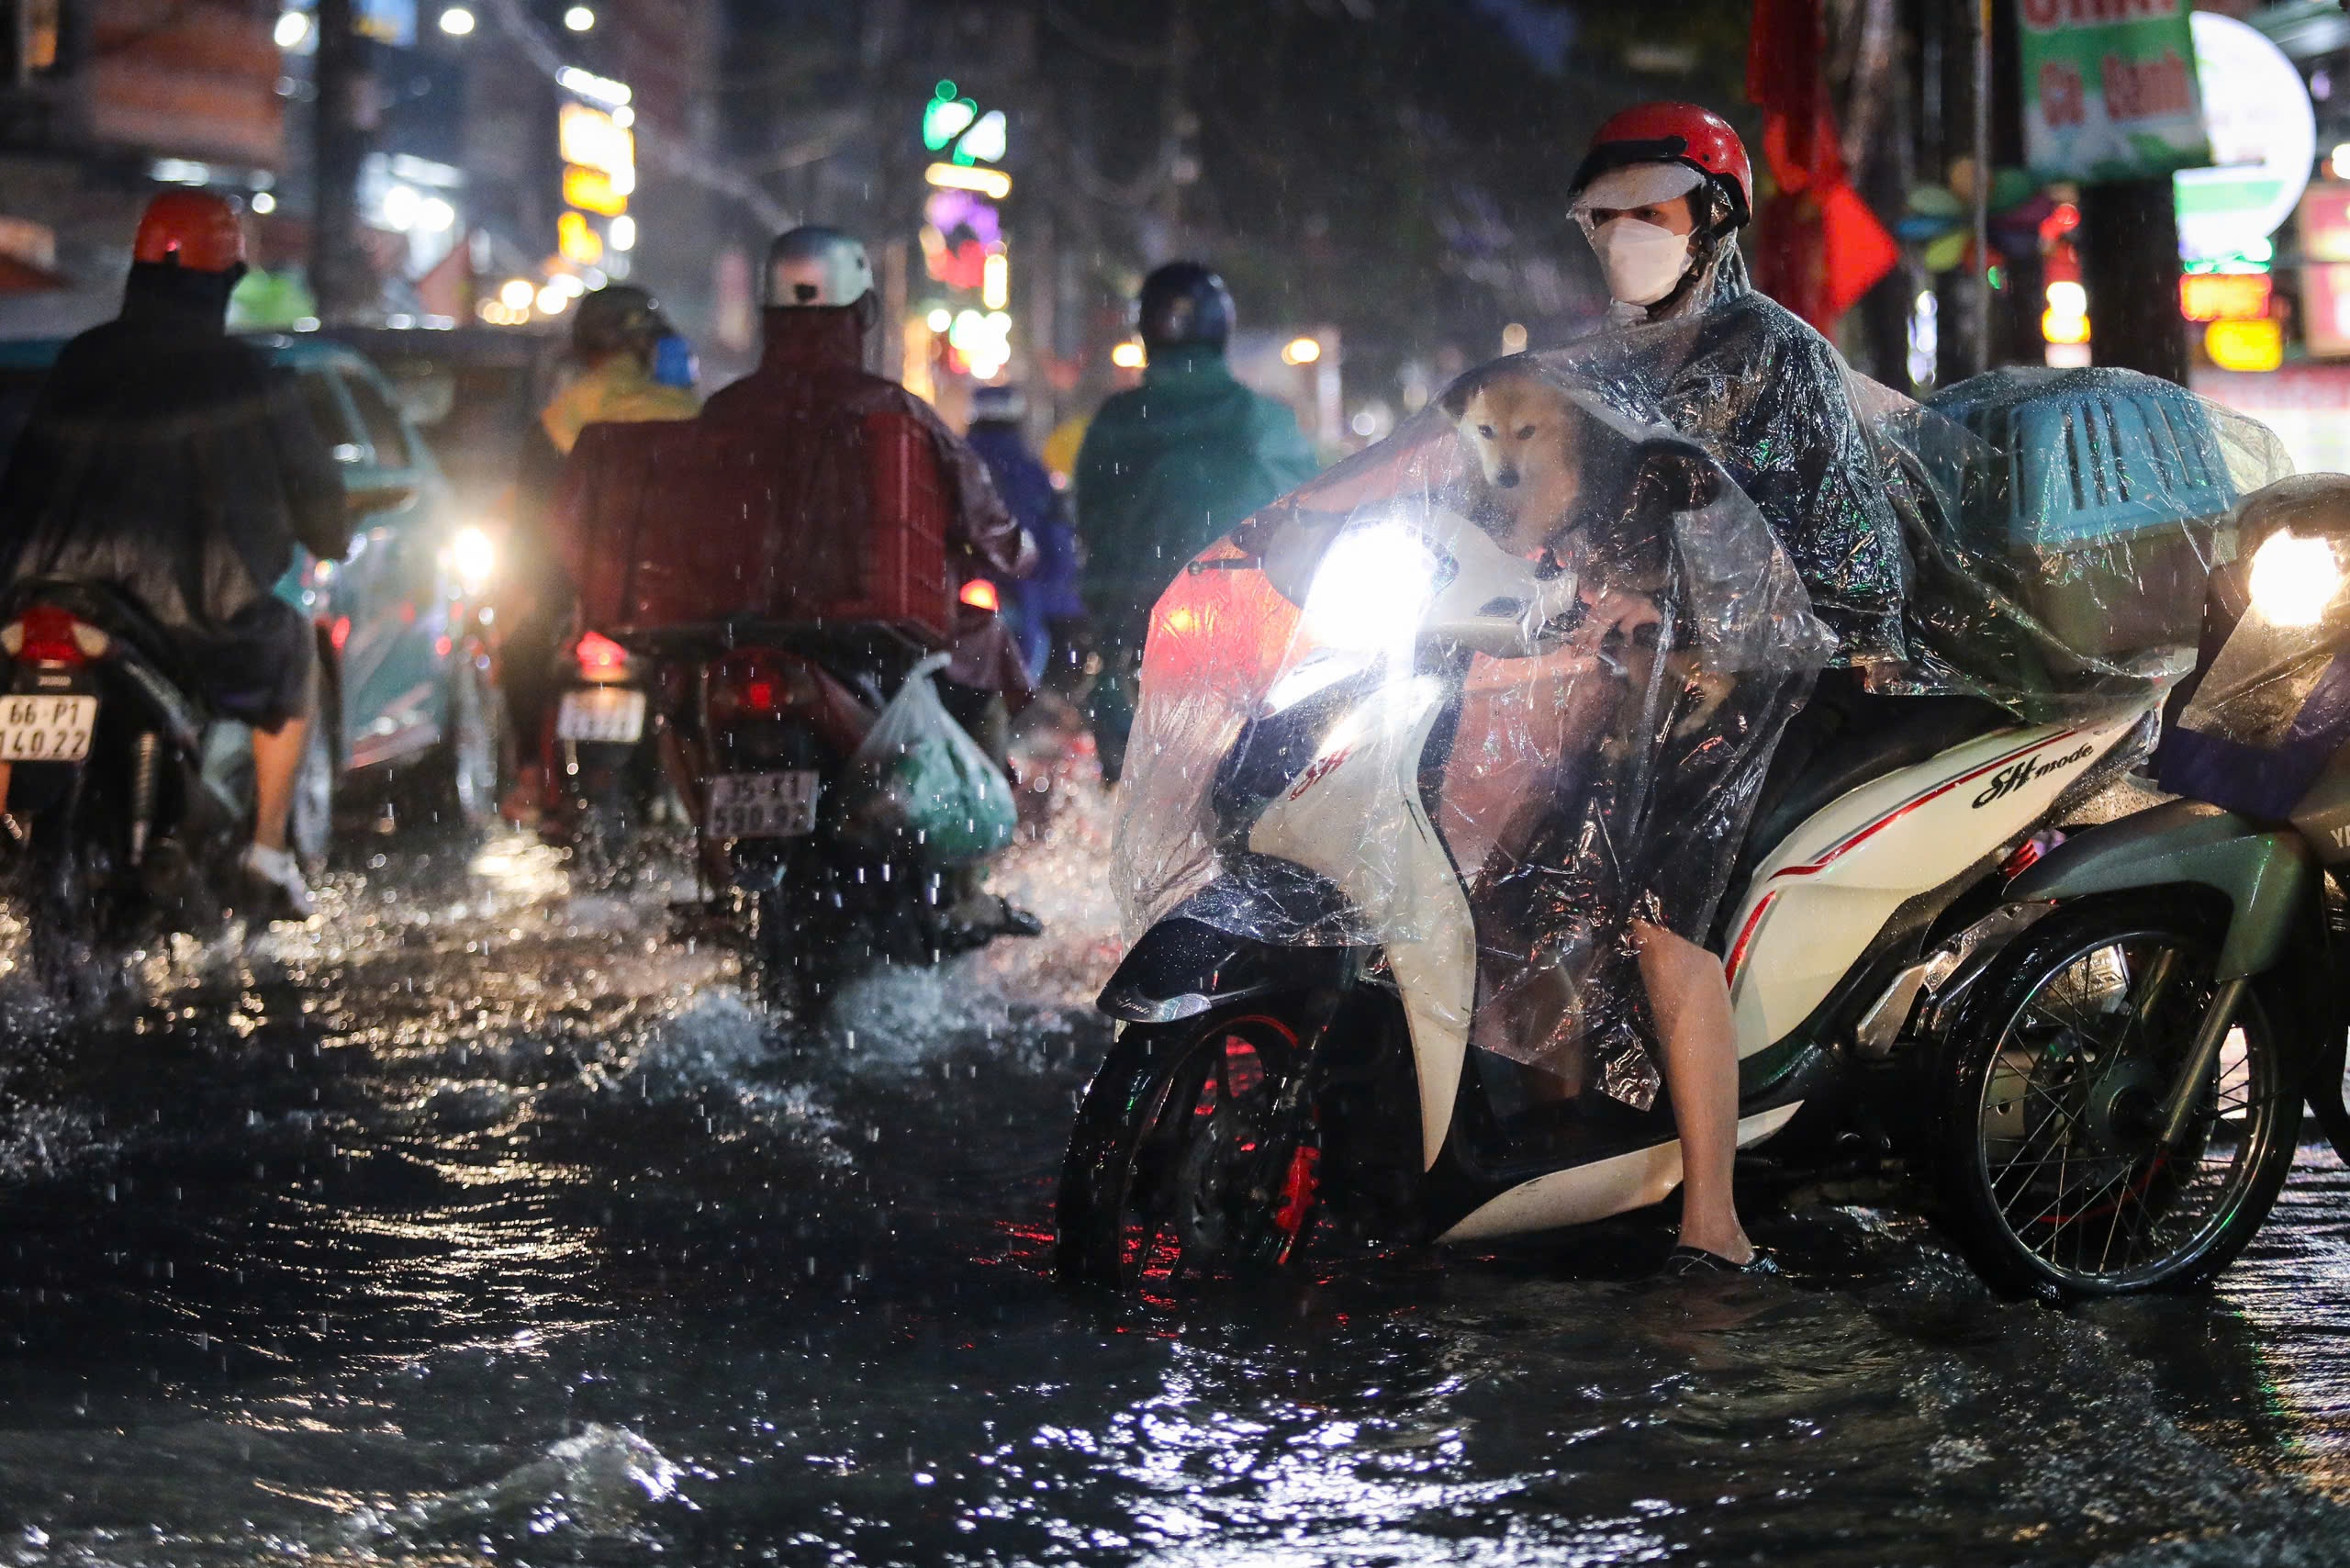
[2051, 1171]
[1181, 1168]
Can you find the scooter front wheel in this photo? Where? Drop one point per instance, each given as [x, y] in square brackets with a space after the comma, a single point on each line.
[2053, 1170]
[1186, 1165]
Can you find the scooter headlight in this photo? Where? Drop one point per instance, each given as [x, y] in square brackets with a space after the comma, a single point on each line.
[472, 556]
[1371, 589]
[2294, 580]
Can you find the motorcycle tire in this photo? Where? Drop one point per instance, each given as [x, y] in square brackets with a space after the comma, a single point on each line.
[1175, 1173]
[2046, 1162]
[787, 954]
[456, 789]
[64, 926]
[309, 825]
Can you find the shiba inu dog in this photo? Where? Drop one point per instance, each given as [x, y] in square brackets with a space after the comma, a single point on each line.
[1525, 432]
[1554, 476]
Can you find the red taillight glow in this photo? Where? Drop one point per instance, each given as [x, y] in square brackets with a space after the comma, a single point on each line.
[759, 682]
[49, 636]
[599, 658]
[980, 594]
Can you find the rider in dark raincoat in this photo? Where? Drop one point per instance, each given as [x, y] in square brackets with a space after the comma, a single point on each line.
[173, 463]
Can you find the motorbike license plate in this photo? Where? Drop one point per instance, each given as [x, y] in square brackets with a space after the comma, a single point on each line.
[46, 729]
[613, 713]
[762, 805]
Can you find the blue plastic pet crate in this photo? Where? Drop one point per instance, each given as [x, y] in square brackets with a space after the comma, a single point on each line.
[2108, 491]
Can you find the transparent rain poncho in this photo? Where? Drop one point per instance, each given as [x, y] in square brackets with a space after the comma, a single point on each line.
[2061, 526]
[2268, 707]
[1514, 672]
[2038, 538]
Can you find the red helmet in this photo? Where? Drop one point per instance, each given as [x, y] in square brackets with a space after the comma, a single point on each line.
[196, 229]
[1675, 133]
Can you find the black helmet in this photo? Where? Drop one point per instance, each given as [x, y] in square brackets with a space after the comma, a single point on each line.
[1184, 304]
[617, 317]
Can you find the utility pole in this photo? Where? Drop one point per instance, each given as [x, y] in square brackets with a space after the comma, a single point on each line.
[2129, 238]
[343, 279]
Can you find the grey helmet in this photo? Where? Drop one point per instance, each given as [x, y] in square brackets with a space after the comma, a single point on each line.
[813, 267]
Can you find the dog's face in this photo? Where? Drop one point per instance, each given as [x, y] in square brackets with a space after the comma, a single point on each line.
[1523, 431]
[1504, 422]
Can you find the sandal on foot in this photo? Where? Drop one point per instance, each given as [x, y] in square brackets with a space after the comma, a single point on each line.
[1695, 1262]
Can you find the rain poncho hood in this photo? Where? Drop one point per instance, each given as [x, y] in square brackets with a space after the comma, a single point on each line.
[622, 390]
[170, 460]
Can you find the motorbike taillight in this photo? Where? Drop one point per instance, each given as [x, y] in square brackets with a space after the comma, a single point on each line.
[47, 635]
[599, 658]
[980, 594]
[759, 683]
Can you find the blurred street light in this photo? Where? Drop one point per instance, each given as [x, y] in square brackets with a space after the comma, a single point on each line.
[993, 184]
[457, 21]
[587, 84]
[264, 203]
[292, 27]
[1301, 351]
[1127, 355]
[579, 18]
[515, 293]
[622, 234]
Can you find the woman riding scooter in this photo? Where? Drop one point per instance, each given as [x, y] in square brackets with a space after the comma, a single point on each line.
[1661, 195]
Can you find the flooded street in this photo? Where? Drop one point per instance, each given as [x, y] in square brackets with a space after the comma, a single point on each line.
[480, 1223]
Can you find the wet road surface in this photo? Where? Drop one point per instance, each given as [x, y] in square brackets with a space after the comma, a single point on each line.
[480, 1223]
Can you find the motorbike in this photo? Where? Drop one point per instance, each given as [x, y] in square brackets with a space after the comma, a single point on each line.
[2118, 1099]
[122, 835]
[607, 768]
[756, 724]
[1295, 1042]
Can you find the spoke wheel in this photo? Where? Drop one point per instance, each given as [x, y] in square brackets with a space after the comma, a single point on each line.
[2054, 1164]
[1181, 1170]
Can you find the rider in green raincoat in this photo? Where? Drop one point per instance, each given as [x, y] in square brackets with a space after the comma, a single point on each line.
[1166, 468]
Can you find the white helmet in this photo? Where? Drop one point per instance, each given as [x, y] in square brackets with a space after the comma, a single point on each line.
[811, 266]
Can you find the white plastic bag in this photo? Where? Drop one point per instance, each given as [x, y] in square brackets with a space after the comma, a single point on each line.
[921, 783]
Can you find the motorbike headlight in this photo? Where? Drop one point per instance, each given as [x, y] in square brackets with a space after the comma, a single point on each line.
[2294, 579]
[1310, 679]
[472, 556]
[1371, 590]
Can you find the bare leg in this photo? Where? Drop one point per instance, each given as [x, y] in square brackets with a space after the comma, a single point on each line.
[277, 761]
[277, 764]
[1690, 998]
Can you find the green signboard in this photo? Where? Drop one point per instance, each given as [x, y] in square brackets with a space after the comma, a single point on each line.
[2109, 89]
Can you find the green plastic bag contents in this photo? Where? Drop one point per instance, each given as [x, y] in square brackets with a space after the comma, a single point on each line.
[920, 783]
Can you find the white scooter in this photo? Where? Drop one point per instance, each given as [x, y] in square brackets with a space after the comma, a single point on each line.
[1256, 1086]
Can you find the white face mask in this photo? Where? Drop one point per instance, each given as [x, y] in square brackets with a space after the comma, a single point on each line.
[1644, 261]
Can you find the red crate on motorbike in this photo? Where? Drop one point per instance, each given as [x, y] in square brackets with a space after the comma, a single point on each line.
[670, 524]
